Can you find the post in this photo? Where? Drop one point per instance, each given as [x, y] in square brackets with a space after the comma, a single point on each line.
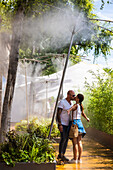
[63, 74]
[26, 93]
[46, 96]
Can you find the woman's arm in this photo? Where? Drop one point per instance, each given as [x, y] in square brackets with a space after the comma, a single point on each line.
[84, 115]
[74, 107]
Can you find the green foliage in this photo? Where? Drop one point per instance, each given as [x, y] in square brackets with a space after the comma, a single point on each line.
[38, 127]
[109, 71]
[21, 126]
[46, 60]
[85, 6]
[99, 42]
[50, 67]
[26, 148]
[29, 8]
[74, 57]
[100, 101]
[104, 2]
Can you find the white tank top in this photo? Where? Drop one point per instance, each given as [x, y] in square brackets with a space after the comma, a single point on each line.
[78, 112]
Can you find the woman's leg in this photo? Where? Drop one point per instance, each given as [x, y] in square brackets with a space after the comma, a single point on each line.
[80, 148]
[75, 147]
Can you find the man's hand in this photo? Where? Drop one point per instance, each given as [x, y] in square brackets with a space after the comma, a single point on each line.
[60, 128]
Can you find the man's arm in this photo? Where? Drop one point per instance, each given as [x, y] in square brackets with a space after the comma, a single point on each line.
[59, 110]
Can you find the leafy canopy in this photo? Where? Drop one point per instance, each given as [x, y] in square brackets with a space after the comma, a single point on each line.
[99, 42]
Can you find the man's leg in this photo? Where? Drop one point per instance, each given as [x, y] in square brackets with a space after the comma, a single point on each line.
[66, 139]
[61, 145]
[63, 141]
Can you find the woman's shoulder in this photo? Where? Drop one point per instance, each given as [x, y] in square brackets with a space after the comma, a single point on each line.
[74, 106]
[78, 106]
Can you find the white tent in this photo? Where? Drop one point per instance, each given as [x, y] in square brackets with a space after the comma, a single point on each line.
[42, 91]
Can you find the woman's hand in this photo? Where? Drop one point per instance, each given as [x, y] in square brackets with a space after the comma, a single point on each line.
[88, 119]
[68, 112]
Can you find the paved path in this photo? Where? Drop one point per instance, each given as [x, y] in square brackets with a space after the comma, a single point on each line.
[94, 156]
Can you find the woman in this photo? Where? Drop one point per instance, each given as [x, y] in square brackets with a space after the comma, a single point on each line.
[77, 111]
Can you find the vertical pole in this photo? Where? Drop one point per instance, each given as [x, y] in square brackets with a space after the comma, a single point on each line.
[26, 94]
[63, 74]
[33, 102]
[46, 96]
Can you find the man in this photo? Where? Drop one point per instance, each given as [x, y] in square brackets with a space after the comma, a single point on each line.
[63, 122]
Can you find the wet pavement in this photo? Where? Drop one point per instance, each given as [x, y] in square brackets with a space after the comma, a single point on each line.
[94, 156]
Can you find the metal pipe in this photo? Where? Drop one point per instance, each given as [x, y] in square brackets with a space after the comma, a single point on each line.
[26, 93]
[63, 74]
[46, 96]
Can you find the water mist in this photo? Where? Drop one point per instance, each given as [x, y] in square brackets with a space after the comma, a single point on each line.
[53, 30]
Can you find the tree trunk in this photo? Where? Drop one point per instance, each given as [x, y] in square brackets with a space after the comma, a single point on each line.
[12, 70]
[0, 96]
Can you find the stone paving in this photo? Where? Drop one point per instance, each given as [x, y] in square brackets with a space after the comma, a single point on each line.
[94, 156]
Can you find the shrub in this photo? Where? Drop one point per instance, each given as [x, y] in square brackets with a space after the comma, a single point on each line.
[100, 102]
[40, 128]
[26, 148]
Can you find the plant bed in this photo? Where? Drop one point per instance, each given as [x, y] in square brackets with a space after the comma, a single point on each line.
[29, 166]
[101, 137]
[21, 151]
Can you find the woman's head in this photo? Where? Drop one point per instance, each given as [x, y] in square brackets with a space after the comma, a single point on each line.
[80, 97]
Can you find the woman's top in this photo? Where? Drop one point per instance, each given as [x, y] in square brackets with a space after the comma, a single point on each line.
[78, 112]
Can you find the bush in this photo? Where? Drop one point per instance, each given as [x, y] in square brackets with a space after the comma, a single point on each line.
[40, 128]
[100, 102]
[26, 148]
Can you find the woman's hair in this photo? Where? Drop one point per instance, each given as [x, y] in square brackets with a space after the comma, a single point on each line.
[81, 98]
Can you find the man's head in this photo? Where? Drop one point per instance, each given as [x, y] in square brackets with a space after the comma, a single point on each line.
[71, 95]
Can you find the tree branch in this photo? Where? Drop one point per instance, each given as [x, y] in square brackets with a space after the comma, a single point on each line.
[100, 20]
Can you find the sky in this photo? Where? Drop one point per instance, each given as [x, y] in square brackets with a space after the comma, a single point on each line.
[105, 13]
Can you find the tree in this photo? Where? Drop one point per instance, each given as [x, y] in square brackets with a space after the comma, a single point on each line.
[98, 42]
[17, 10]
[4, 51]
[13, 63]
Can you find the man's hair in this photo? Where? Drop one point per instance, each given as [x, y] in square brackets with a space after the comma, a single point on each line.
[69, 92]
